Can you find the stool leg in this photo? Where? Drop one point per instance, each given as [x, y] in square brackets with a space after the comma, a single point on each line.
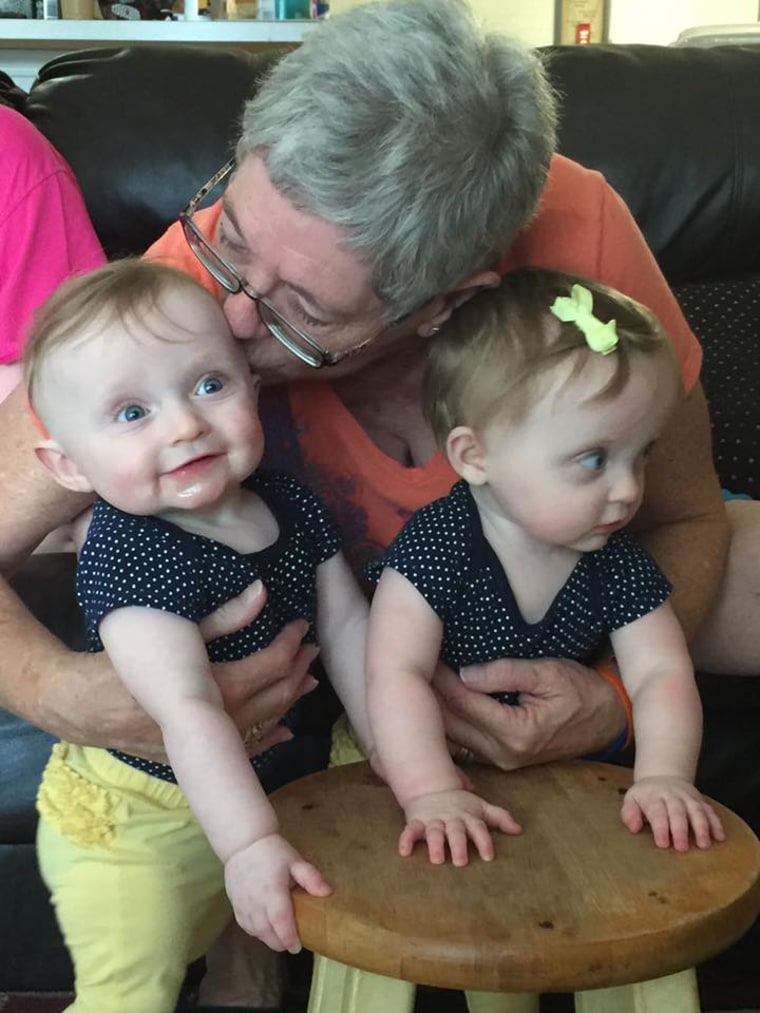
[676, 993]
[338, 988]
[503, 1002]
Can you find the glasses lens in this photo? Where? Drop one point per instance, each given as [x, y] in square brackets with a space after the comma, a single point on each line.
[210, 259]
[308, 352]
[299, 344]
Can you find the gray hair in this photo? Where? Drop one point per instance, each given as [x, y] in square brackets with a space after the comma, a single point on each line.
[425, 139]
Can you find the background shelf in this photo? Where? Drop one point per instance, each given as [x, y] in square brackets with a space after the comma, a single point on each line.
[202, 30]
[25, 44]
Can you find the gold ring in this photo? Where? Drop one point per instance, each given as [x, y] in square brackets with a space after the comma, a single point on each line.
[254, 734]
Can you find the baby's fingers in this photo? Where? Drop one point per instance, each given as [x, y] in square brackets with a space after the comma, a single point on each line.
[414, 831]
[716, 824]
[705, 824]
[310, 878]
[258, 926]
[656, 814]
[282, 922]
[480, 836]
[479, 830]
[501, 819]
[456, 831]
[678, 820]
[631, 815]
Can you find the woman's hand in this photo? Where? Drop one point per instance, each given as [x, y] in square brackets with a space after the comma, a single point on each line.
[257, 690]
[565, 710]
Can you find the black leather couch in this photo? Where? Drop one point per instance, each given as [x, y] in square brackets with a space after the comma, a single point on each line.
[674, 130]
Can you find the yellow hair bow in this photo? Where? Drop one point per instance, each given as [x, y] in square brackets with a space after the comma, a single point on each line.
[578, 308]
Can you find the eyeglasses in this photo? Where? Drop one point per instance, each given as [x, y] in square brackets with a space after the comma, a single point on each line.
[302, 345]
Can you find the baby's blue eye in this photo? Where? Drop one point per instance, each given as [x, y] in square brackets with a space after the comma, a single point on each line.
[594, 460]
[131, 413]
[209, 385]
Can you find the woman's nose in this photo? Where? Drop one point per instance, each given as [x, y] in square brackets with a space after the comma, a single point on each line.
[242, 314]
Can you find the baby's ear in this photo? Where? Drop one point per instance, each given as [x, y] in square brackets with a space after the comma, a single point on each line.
[61, 467]
[466, 455]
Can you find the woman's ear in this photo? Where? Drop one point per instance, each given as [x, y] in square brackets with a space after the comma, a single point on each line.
[467, 455]
[442, 306]
[61, 467]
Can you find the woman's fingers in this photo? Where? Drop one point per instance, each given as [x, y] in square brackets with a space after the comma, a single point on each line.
[234, 614]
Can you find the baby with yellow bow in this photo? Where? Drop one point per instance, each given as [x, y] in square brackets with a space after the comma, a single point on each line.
[547, 394]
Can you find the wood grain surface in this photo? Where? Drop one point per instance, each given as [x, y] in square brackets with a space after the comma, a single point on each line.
[575, 902]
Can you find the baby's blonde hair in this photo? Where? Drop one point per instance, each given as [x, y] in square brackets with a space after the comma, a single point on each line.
[490, 359]
[124, 291]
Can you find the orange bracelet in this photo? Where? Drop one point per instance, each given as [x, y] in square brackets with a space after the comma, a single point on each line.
[609, 670]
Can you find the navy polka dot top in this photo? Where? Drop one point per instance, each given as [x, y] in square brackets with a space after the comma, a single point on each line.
[443, 552]
[146, 561]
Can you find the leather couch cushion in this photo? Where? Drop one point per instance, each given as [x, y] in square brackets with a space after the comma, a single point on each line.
[675, 131]
[143, 129]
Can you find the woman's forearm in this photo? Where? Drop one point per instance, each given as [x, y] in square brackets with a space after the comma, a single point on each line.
[682, 521]
[73, 695]
[33, 503]
[693, 555]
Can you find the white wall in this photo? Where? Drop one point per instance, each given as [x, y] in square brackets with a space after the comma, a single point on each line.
[656, 21]
[660, 22]
[532, 21]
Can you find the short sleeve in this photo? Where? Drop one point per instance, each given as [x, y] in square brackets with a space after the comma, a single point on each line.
[310, 514]
[430, 551]
[632, 583]
[134, 561]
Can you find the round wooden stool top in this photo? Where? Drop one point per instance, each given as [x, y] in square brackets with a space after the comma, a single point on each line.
[576, 902]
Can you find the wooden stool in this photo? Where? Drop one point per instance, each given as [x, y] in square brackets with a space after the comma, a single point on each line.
[574, 904]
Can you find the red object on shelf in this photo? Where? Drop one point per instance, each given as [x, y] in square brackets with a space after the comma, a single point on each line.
[583, 33]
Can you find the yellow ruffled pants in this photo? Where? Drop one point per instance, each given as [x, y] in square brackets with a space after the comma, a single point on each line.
[137, 890]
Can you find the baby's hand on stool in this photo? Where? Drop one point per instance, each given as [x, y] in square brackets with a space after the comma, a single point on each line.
[453, 818]
[259, 879]
[671, 806]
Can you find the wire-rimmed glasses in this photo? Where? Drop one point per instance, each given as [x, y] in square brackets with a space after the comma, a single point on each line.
[298, 342]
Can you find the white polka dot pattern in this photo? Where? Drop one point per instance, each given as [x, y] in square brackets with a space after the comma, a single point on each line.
[145, 561]
[725, 316]
[442, 551]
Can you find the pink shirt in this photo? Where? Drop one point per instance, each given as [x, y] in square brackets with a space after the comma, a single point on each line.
[45, 232]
